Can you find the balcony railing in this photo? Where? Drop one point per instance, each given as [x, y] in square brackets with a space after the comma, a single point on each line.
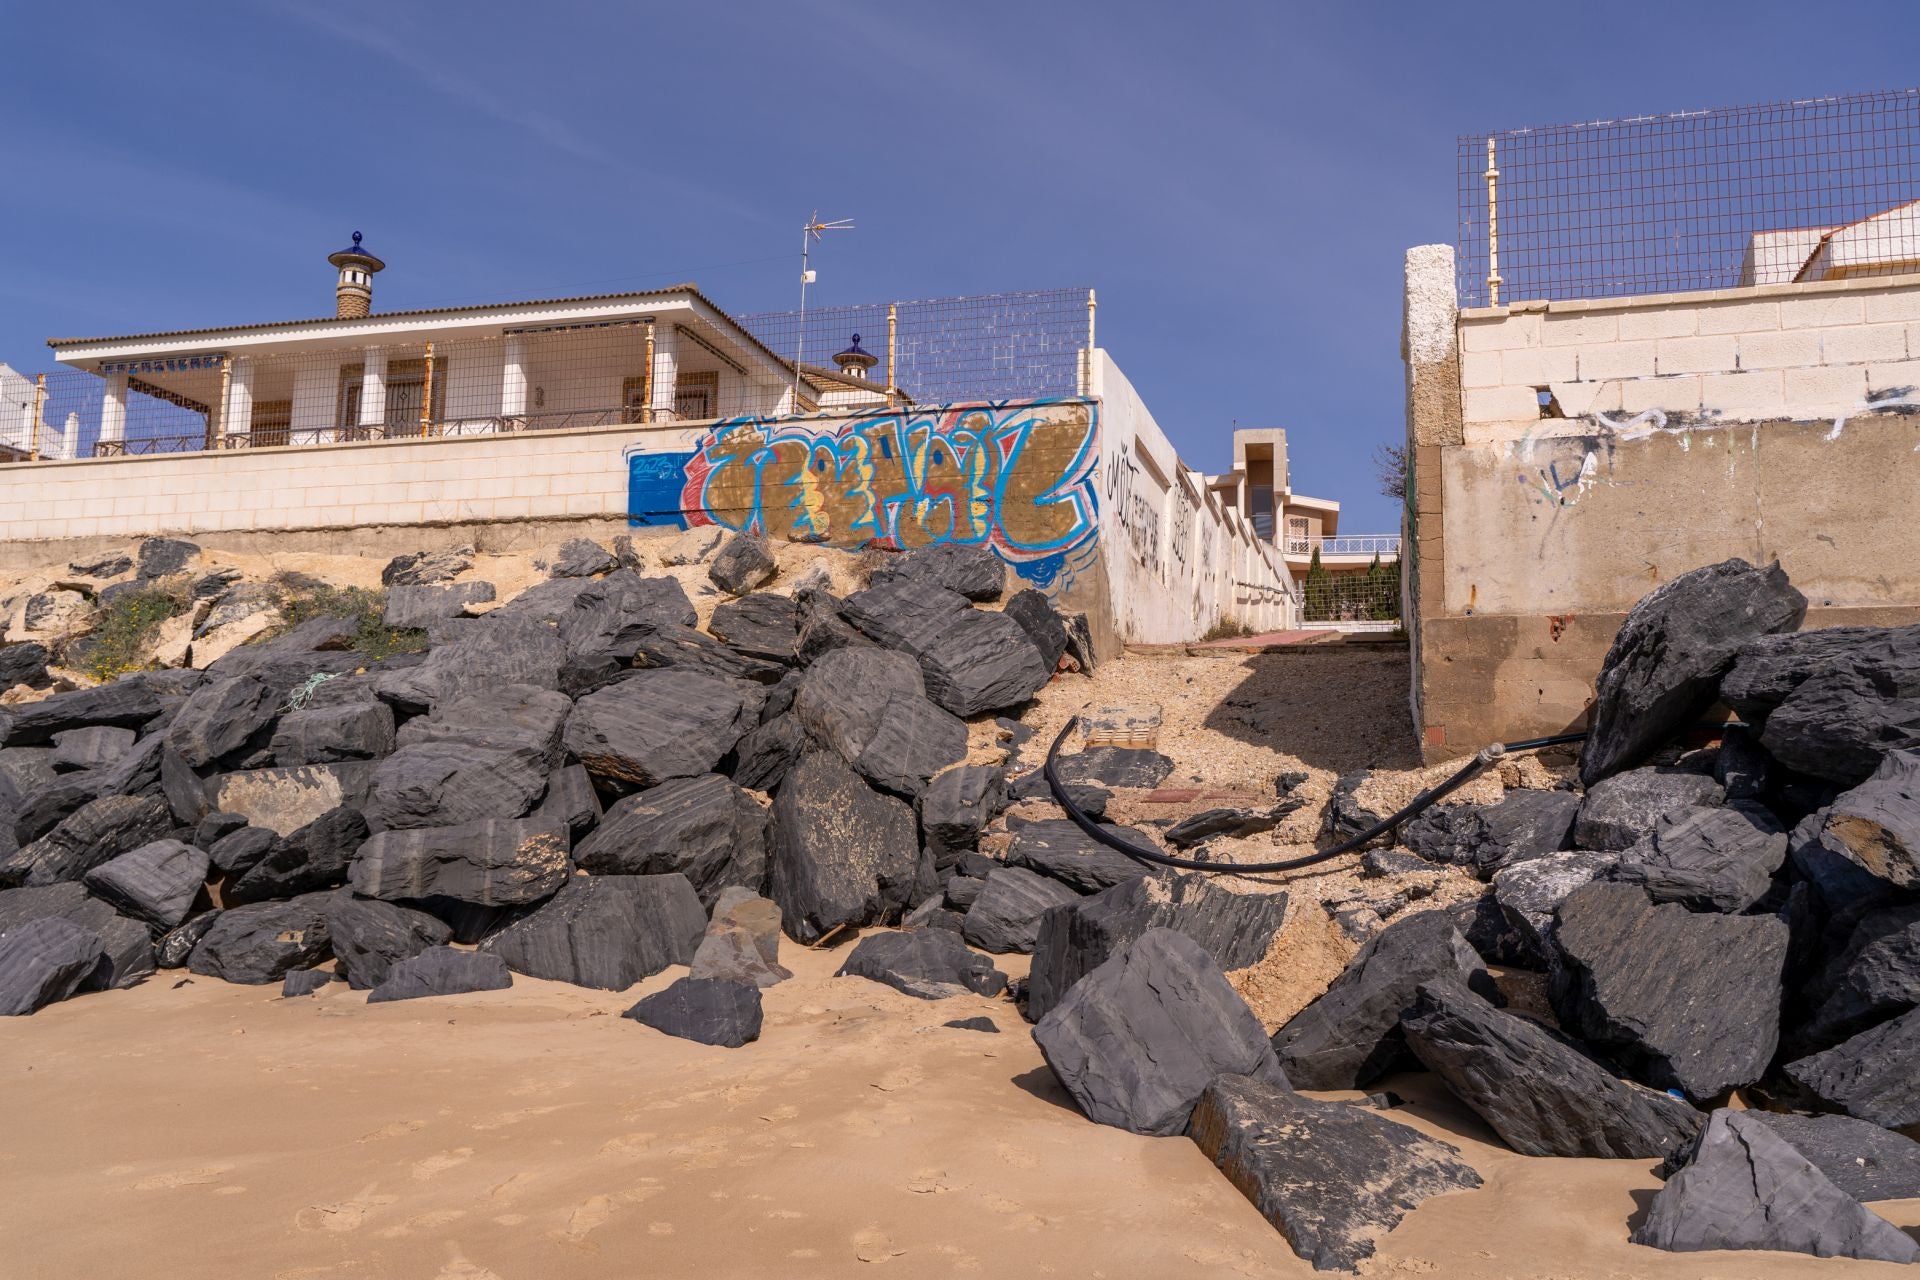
[1352, 544]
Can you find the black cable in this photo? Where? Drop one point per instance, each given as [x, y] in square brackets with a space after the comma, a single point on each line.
[1420, 802]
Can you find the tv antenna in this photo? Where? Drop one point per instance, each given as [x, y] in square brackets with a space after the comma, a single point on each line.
[814, 230]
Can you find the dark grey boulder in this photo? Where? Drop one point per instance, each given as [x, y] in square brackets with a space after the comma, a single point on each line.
[1346, 817]
[257, 944]
[967, 570]
[1624, 809]
[933, 913]
[822, 627]
[657, 725]
[1236, 929]
[704, 827]
[581, 558]
[1211, 824]
[314, 857]
[1832, 702]
[427, 567]
[1005, 917]
[1877, 824]
[491, 652]
[44, 961]
[220, 716]
[841, 852]
[1055, 847]
[24, 663]
[613, 616]
[370, 937]
[670, 645]
[1114, 767]
[441, 971]
[1875, 977]
[1350, 1036]
[905, 615]
[1689, 1001]
[1845, 888]
[1721, 858]
[928, 964]
[869, 705]
[570, 802]
[1482, 838]
[961, 892]
[493, 862]
[1745, 1187]
[741, 942]
[96, 832]
[238, 850]
[982, 662]
[176, 944]
[1036, 616]
[128, 943]
[1541, 1095]
[415, 608]
[1873, 1076]
[1138, 1040]
[188, 797]
[1665, 664]
[508, 716]
[164, 557]
[94, 747]
[956, 806]
[606, 931]
[1331, 1178]
[762, 758]
[1863, 1160]
[761, 625]
[157, 882]
[128, 703]
[705, 1010]
[743, 563]
[352, 731]
[215, 826]
[1529, 895]
[303, 982]
[441, 784]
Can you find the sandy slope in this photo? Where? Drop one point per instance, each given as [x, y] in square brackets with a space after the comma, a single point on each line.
[214, 1130]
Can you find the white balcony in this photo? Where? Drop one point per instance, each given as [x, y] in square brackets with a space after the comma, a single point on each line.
[1351, 546]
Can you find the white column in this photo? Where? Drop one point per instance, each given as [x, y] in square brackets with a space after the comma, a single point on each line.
[113, 409]
[373, 388]
[666, 348]
[513, 378]
[238, 418]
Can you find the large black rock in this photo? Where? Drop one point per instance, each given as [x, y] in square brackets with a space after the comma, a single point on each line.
[1330, 1177]
[744, 563]
[762, 758]
[157, 882]
[1236, 929]
[956, 806]
[1005, 917]
[1036, 615]
[259, 943]
[581, 558]
[841, 852]
[220, 716]
[982, 662]
[1745, 1187]
[493, 862]
[128, 942]
[43, 961]
[314, 857]
[606, 931]
[685, 649]
[611, 617]
[420, 607]
[502, 648]
[237, 850]
[703, 827]
[1113, 767]
[442, 784]
[656, 725]
[350, 731]
[761, 625]
[511, 716]
[870, 706]
[94, 747]
[822, 626]
[96, 832]
[1832, 702]
[1541, 1095]
[1877, 824]
[441, 971]
[1665, 664]
[1138, 1040]
[1690, 1001]
[1873, 1076]
[971, 571]
[930, 964]
[1720, 858]
[1624, 809]
[1484, 838]
[1875, 977]
[128, 702]
[706, 1010]
[1350, 1036]
[1863, 1160]
[24, 663]
[370, 936]
[1055, 847]
[1528, 895]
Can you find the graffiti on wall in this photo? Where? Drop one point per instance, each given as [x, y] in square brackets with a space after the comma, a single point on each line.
[1137, 515]
[1018, 478]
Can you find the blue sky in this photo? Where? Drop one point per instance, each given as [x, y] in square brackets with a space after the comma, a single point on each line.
[1239, 182]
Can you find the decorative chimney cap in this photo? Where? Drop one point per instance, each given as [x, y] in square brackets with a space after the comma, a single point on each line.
[855, 357]
[356, 256]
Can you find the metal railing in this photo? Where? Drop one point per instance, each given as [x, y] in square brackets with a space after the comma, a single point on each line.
[1815, 189]
[1352, 544]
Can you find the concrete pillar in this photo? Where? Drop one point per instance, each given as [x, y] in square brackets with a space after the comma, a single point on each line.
[1429, 345]
[238, 418]
[513, 378]
[113, 410]
[373, 388]
[666, 349]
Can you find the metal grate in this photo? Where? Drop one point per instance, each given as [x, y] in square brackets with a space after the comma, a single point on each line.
[1816, 189]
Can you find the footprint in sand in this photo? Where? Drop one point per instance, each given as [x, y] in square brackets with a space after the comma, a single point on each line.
[399, 1128]
[586, 1217]
[628, 1144]
[434, 1166]
[182, 1178]
[932, 1182]
[347, 1215]
[872, 1245]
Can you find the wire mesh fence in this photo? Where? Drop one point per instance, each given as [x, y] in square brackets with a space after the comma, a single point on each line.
[608, 373]
[1770, 194]
[1352, 599]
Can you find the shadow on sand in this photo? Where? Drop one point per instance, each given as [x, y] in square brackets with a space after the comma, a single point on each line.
[1338, 707]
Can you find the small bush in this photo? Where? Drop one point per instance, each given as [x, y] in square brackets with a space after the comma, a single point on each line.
[302, 600]
[122, 640]
[1227, 628]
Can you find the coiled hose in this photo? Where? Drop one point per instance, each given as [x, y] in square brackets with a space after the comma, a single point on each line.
[1425, 800]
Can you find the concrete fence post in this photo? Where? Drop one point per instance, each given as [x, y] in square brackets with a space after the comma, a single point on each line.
[1429, 345]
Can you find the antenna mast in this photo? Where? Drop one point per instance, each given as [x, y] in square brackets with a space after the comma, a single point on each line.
[811, 232]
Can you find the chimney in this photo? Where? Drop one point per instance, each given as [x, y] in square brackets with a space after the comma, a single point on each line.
[855, 360]
[353, 294]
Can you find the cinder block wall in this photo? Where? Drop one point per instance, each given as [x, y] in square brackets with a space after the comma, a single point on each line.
[1599, 448]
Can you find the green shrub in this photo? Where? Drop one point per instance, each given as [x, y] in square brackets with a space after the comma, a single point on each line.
[122, 640]
[1227, 628]
[302, 600]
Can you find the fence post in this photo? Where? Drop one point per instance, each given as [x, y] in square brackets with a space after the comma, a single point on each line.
[217, 419]
[893, 329]
[426, 393]
[1086, 356]
[646, 378]
[1492, 176]
[39, 405]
